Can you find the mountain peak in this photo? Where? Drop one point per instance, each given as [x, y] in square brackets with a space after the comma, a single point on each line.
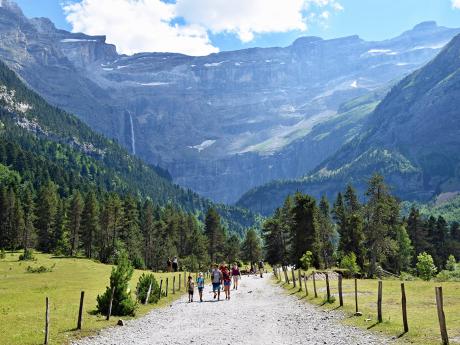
[428, 25]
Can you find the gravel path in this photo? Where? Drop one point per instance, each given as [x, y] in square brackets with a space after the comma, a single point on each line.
[258, 313]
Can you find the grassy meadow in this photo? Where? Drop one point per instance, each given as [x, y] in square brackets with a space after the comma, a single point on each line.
[22, 298]
[421, 307]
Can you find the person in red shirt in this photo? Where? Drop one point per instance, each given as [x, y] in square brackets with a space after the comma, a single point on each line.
[236, 275]
[227, 281]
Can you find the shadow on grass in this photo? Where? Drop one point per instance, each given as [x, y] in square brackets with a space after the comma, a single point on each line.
[401, 335]
[373, 325]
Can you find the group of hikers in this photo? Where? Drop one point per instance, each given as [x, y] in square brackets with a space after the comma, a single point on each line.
[220, 276]
[172, 265]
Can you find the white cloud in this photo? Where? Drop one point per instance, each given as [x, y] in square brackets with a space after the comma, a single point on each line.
[456, 4]
[244, 18]
[183, 26]
[138, 25]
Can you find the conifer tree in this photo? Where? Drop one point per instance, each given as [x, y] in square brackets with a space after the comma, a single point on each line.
[325, 234]
[417, 232]
[75, 213]
[90, 223]
[251, 247]
[215, 234]
[29, 234]
[46, 216]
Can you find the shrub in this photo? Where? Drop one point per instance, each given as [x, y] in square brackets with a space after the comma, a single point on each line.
[348, 262]
[138, 262]
[448, 276]
[143, 286]
[425, 266]
[28, 255]
[2, 254]
[451, 264]
[40, 269]
[123, 304]
[407, 276]
[331, 299]
[306, 260]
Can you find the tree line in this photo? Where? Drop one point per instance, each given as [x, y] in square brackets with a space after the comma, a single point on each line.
[368, 236]
[101, 225]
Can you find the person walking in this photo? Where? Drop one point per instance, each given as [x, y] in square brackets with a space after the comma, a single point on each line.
[200, 285]
[175, 264]
[261, 268]
[216, 276]
[227, 281]
[169, 265]
[191, 288]
[236, 275]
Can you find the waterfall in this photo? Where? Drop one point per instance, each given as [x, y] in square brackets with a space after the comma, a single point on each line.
[133, 139]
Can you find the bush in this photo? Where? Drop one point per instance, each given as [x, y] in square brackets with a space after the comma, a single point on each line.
[448, 276]
[425, 266]
[138, 262]
[331, 299]
[123, 304]
[407, 276]
[348, 262]
[306, 260]
[28, 255]
[451, 264]
[2, 254]
[143, 286]
[40, 269]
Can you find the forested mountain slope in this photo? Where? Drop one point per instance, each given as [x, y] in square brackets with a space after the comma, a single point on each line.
[412, 138]
[42, 143]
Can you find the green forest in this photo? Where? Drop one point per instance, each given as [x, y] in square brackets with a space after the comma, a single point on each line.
[368, 238]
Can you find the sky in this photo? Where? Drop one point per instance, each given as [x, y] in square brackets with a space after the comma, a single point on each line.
[201, 27]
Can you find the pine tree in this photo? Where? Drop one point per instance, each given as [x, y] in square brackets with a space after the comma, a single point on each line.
[304, 231]
[251, 247]
[111, 224]
[75, 213]
[148, 230]
[439, 239]
[46, 216]
[29, 235]
[379, 216]
[215, 234]
[90, 223]
[417, 233]
[404, 250]
[325, 234]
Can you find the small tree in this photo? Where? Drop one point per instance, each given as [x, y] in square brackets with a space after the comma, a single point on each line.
[425, 266]
[349, 263]
[123, 304]
[143, 286]
[306, 260]
[451, 263]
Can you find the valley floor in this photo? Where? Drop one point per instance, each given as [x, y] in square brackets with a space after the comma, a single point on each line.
[258, 313]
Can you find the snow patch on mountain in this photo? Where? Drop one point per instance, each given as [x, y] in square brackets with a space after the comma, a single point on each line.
[204, 145]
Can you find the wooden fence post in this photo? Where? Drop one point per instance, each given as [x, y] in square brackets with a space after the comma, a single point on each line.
[109, 312]
[174, 284]
[167, 286]
[340, 290]
[356, 297]
[180, 278]
[379, 303]
[300, 280]
[441, 316]
[185, 280]
[47, 321]
[305, 283]
[314, 285]
[293, 276]
[159, 290]
[286, 275]
[80, 310]
[149, 291]
[328, 289]
[404, 308]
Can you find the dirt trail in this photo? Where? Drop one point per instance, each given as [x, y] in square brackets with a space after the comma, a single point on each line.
[258, 313]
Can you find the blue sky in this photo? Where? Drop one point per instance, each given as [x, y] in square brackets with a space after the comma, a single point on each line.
[199, 27]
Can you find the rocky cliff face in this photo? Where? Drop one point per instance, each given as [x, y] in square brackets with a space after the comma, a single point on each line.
[223, 123]
[412, 138]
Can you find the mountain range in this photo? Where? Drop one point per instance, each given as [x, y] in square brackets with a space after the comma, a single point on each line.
[225, 123]
[412, 138]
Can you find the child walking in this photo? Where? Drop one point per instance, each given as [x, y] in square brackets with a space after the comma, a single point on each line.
[200, 285]
[191, 288]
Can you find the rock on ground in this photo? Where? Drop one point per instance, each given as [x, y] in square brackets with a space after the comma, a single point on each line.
[258, 313]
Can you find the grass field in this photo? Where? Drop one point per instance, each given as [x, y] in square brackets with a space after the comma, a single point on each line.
[22, 298]
[421, 307]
